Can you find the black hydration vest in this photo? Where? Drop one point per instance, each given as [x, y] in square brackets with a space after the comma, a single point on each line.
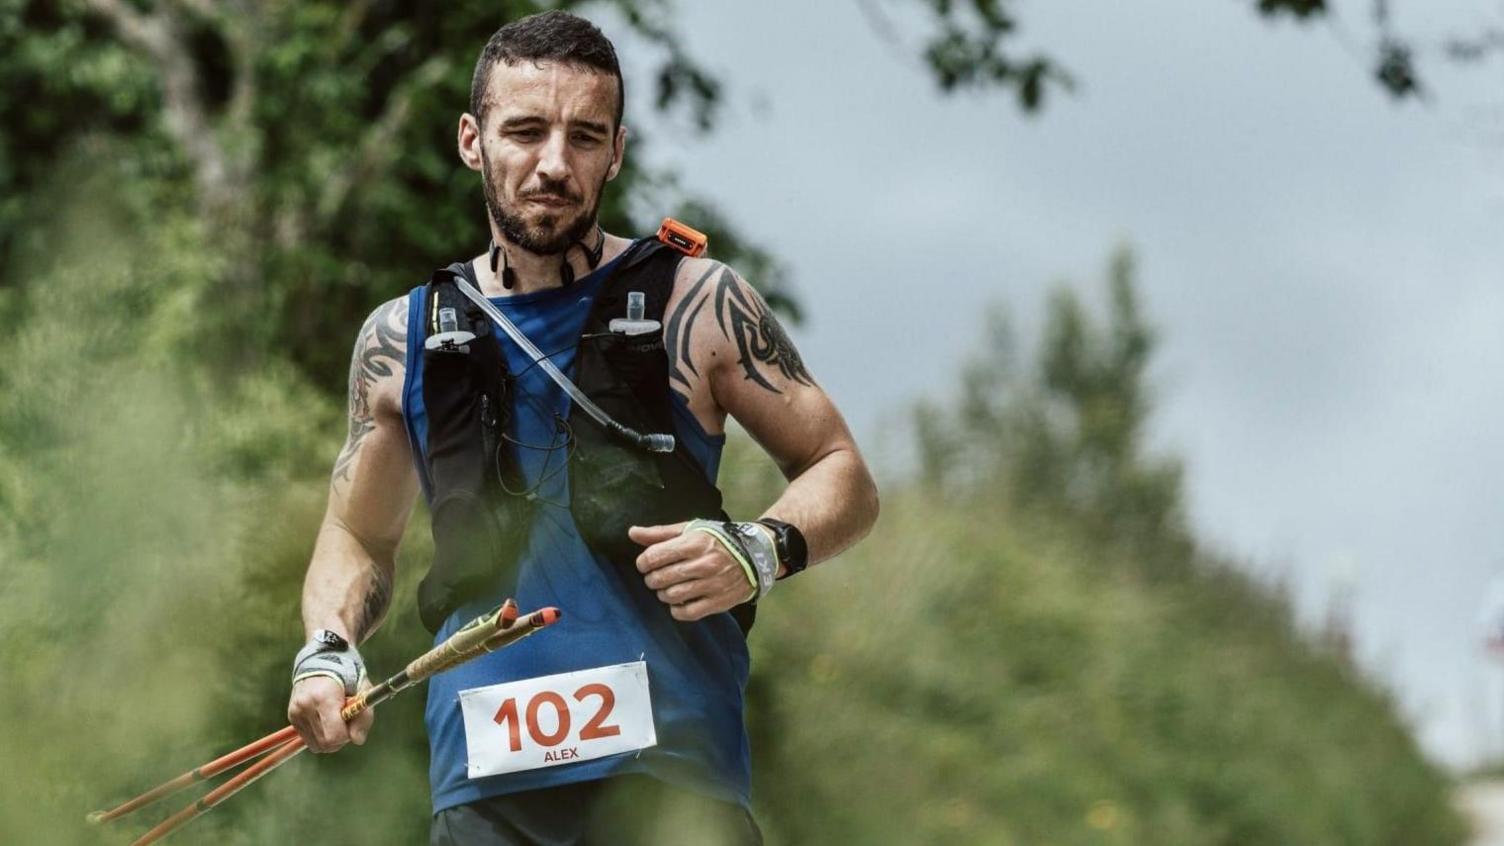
[481, 528]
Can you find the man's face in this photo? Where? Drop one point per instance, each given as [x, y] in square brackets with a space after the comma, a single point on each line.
[546, 149]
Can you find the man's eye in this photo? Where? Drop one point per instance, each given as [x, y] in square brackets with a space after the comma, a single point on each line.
[526, 134]
[586, 140]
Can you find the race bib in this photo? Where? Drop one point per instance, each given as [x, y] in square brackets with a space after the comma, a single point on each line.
[552, 720]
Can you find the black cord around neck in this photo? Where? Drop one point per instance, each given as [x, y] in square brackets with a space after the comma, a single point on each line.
[566, 272]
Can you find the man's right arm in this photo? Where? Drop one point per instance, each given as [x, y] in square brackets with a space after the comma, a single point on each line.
[371, 494]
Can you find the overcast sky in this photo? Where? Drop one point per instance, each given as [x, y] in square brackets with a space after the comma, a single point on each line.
[1325, 267]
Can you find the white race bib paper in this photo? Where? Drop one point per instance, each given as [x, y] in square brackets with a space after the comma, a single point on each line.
[552, 720]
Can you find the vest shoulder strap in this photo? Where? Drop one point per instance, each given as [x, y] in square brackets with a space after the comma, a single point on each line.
[478, 529]
[440, 293]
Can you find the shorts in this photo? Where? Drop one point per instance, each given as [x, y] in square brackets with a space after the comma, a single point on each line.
[620, 811]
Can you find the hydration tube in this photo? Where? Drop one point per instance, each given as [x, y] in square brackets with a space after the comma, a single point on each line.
[652, 441]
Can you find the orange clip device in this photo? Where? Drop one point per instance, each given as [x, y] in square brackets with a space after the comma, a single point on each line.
[685, 239]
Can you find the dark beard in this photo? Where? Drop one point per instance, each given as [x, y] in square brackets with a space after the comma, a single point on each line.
[543, 239]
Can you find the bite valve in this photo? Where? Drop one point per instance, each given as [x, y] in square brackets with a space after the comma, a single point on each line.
[659, 442]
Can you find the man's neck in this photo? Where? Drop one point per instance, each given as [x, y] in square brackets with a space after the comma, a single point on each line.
[532, 272]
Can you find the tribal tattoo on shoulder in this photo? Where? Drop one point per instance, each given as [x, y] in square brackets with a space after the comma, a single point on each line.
[676, 336]
[745, 319]
[379, 349]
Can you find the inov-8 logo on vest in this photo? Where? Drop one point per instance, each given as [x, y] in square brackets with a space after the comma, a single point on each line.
[552, 720]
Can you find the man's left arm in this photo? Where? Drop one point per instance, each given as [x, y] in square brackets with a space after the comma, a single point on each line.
[731, 355]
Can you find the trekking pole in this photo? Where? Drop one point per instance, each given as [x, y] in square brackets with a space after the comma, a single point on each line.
[454, 651]
[229, 760]
[496, 622]
[488, 633]
[234, 785]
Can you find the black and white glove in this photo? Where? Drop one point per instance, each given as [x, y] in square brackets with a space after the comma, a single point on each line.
[328, 654]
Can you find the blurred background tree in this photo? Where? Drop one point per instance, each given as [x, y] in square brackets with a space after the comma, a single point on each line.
[969, 46]
[1038, 650]
[315, 140]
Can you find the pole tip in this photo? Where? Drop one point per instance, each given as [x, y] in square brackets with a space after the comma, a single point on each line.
[96, 817]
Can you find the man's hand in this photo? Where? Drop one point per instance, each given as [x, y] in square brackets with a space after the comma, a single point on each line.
[693, 574]
[314, 710]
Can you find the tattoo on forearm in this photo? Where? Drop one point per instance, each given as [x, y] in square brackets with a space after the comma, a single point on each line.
[378, 350]
[759, 337]
[378, 597]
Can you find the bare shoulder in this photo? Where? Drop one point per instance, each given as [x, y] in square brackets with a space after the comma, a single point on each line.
[717, 327]
[689, 319]
[694, 287]
[386, 324]
[377, 365]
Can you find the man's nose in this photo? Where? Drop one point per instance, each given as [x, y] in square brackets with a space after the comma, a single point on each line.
[553, 161]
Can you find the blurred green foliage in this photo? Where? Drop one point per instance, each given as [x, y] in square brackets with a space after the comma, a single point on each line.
[1031, 649]
[316, 139]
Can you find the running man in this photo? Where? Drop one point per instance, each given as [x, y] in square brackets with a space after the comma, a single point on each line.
[633, 702]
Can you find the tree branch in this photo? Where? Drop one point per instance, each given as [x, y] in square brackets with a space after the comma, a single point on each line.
[144, 33]
[355, 14]
[157, 35]
[245, 34]
[378, 144]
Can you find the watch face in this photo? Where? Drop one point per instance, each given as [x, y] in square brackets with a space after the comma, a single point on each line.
[797, 547]
[792, 549]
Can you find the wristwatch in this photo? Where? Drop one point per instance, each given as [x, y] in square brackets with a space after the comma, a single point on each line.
[789, 543]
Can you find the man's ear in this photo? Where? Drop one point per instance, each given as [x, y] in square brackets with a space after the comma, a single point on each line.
[618, 153]
[469, 141]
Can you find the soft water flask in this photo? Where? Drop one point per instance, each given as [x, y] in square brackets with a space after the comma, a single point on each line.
[449, 337]
[633, 323]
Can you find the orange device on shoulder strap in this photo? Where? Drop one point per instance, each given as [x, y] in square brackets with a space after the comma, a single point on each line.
[685, 239]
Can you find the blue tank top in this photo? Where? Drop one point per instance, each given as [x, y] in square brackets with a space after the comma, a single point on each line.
[697, 672]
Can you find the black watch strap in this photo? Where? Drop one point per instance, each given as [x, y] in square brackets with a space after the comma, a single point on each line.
[789, 543]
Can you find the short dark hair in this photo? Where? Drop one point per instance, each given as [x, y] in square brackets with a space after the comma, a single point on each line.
[556, 36]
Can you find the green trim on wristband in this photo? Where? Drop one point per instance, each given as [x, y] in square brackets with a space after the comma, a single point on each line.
[318, 674]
